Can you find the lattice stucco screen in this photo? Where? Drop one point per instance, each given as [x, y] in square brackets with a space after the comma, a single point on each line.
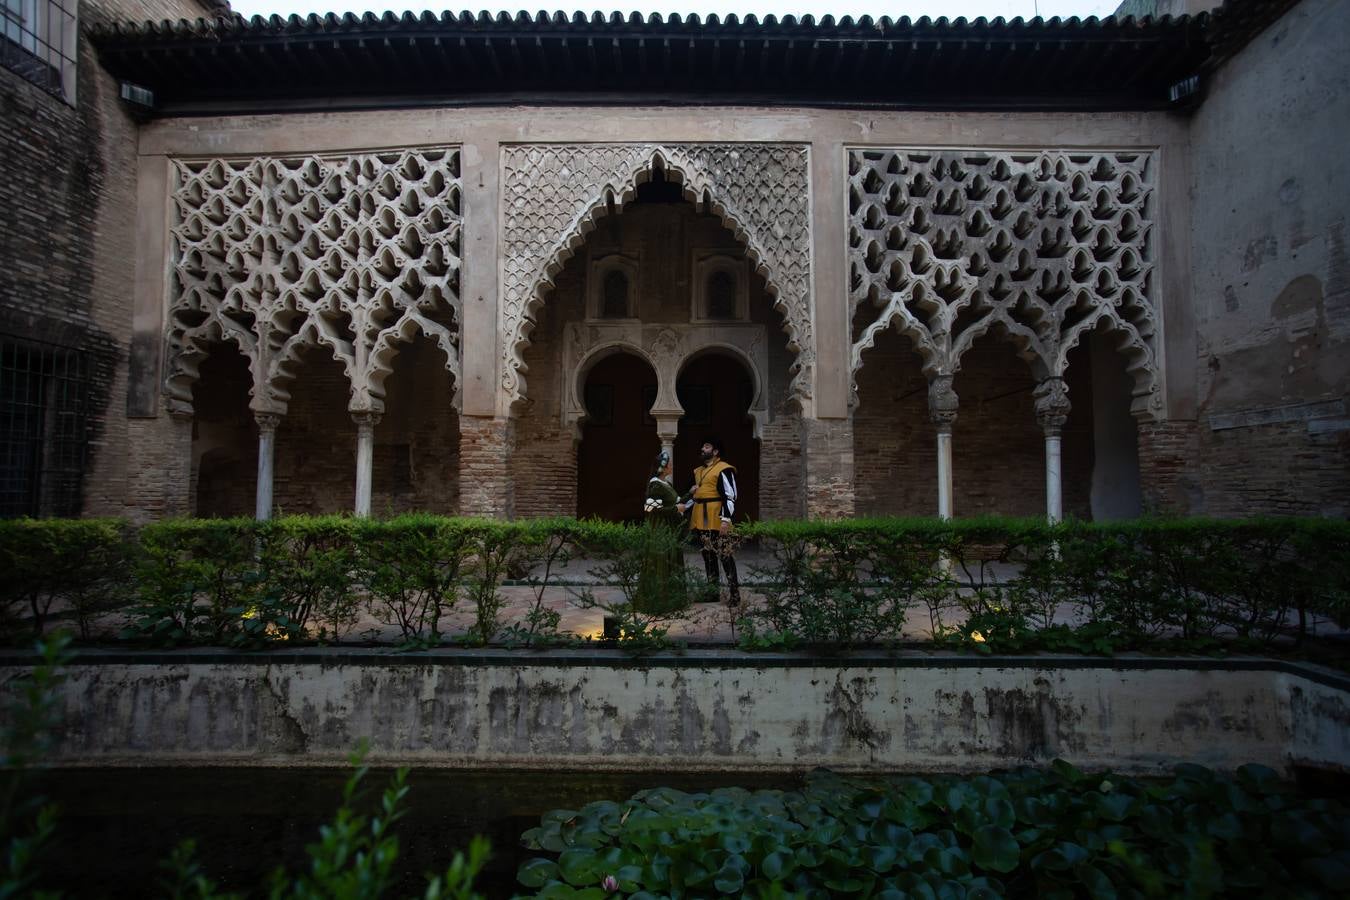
[946, 245]
[357, 253]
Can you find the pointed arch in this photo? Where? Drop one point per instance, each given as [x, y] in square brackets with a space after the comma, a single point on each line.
[759, 191]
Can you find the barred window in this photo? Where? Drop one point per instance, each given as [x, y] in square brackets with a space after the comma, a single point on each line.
[40, 43]
[43, 395]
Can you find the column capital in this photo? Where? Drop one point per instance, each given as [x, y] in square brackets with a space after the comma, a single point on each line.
[1052, 404]
[943, 403]
[366, 419]
[267, 422]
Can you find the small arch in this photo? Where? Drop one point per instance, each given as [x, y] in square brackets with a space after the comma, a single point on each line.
[718, 387]
[577, 413]
[618, 438]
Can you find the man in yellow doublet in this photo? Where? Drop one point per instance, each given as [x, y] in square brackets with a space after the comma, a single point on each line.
[713, 500]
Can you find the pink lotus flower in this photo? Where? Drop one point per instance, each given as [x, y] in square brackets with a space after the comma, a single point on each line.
[610, 883]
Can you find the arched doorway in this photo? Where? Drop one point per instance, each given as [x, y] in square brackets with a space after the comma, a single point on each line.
[716, 391]
[618, 439]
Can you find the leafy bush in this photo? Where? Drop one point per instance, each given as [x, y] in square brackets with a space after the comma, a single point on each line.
[197, 578]
[1011, 583]
[413, 568]
[307, 564]
[83, 562]
[1055, 833]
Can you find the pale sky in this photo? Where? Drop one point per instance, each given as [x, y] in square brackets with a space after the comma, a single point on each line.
[875, 8]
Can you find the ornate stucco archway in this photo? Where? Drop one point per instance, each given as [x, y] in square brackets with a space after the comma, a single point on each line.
[553, 195]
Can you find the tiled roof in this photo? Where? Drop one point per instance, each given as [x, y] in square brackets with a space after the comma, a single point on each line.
[334, 61]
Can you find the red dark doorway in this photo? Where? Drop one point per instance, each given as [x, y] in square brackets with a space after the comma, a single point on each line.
[618, 439]
[716, 392]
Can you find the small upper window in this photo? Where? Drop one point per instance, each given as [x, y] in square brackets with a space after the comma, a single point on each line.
[40, 43]
[614, 300]
[721, 294]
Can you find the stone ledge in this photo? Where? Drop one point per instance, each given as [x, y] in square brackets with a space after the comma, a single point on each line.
[708, 710]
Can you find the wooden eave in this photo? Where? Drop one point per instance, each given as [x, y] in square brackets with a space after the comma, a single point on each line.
[331, 62]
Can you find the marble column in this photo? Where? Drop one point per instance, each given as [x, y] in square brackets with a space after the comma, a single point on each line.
[1052, 411]
[267, 436]
[942, 408]
[365, 458]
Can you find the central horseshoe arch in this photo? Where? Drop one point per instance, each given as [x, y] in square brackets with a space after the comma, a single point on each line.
[554, 194]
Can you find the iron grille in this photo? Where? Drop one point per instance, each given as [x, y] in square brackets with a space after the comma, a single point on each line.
[43, 397]
[38, 40]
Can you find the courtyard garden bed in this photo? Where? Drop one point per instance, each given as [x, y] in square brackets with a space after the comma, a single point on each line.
[988, 585]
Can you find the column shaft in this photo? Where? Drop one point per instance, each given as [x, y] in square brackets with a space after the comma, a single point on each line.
[1054, 490]
[267, 435]
[365, 459]
[944, 470]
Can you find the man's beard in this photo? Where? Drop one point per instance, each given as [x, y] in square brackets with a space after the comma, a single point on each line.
[707, 455]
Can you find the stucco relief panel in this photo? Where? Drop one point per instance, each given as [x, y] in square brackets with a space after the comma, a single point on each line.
[357, 253]
[947, 245]
[552, 195]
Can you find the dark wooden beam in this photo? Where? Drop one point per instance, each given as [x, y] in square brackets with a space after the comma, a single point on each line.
[491, 52]
[541, 59]
[424, 72]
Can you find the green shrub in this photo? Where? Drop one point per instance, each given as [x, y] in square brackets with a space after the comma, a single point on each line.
[197, 580]
[1055, 833]
[81, 564]
[413, 568]
[1186, 583]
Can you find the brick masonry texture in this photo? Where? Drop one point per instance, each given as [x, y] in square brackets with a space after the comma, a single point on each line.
[1167, 451]
[67, 242]
[485, 482]
[998, 448]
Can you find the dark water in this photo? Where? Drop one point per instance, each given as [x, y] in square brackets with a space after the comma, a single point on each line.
[117, 824]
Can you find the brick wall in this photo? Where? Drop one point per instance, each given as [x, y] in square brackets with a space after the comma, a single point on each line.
[998, 448]
[1270, 279]
[315, 456]
[68, 188]
[828, 446]
[1284, 469]
[1167, 458]
[544, 456]
[416, 465]
[485, 487]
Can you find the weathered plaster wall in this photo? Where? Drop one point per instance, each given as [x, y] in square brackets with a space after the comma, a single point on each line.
[1271, 276]
[700, 712]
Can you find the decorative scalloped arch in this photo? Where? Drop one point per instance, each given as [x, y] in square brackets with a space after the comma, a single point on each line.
[759, 191]
[1040, 244]
[357, 252]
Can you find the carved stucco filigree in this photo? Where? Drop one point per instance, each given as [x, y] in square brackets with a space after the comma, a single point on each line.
[357, 253]
[946, 245]
[552, 195]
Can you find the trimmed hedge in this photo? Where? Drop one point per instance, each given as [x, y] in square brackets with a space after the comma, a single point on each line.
[1012, 583]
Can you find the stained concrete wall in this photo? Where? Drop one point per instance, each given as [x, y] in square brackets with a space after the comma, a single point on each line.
[1271, 274]
[707, 710]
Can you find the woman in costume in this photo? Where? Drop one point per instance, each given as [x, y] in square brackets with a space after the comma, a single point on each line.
[661, 586]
